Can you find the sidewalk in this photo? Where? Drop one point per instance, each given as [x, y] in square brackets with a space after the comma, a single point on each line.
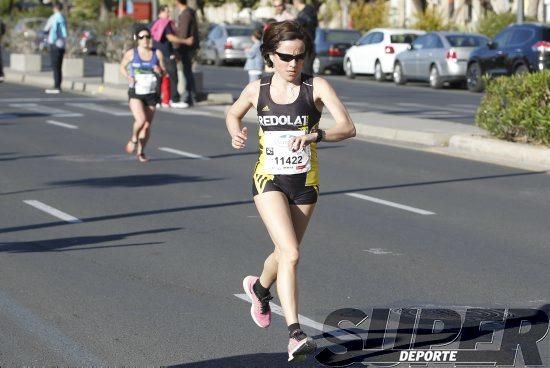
[436, 136]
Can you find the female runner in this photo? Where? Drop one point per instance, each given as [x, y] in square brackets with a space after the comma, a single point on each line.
[142, 66]
[286, 176]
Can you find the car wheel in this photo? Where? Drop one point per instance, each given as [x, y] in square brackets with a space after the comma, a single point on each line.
[521, 69]
[349, 70]
[398, 76]
[317, 66]
[435, 78]
[378, 73]
[473, 78]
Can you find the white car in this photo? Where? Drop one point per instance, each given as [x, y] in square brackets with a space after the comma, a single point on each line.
[375, 52]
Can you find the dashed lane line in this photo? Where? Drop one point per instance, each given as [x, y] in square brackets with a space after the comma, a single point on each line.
[183, 153]
[52, 211]
[390, 204]
[60, 124]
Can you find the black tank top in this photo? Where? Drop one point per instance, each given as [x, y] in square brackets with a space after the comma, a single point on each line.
[300, 115]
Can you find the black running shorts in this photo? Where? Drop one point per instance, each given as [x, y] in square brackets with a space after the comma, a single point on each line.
[292, 186]
[151, 99]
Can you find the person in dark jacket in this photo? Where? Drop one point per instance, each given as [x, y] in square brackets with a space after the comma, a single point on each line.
[307, 18]
[164, 35]
[188, 28]
[2, 32]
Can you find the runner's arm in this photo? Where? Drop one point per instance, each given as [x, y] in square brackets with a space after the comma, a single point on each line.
[238, 110]
[124, 64]
[344, 127]
[160, 56]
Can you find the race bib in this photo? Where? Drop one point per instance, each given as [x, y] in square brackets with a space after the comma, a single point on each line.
[280, 160]
[145, 84]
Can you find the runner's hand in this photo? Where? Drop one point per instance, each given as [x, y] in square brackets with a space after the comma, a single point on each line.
[238, 140]
[298, 143]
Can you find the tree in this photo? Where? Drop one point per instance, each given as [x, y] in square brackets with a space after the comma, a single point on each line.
[105, 9]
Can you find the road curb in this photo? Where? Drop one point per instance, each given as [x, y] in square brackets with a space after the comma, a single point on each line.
[401, 135]
[119, 92]
[510, 151]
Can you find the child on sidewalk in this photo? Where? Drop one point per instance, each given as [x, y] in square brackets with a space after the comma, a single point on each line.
[254, 60]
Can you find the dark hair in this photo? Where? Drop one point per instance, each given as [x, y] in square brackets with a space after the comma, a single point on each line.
[58, 6]
[163, 8]
[258, 34]
[283, 31]
[182, 2]
[140, 28]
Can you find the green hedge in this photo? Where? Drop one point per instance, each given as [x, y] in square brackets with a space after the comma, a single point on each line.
[517, 108]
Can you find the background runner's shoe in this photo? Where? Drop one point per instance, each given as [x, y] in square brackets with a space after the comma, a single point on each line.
[260, 311]
[300, 347]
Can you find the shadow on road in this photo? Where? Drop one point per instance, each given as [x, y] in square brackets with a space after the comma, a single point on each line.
[63, 244]
[132, 181]
[261, 360]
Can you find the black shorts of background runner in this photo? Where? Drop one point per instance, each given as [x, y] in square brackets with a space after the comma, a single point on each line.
[150, 99]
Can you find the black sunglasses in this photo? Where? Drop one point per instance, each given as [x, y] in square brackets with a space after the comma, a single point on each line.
[288, 57]
[144, 36]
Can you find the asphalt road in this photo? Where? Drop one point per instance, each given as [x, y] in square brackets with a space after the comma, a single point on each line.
[148, 269]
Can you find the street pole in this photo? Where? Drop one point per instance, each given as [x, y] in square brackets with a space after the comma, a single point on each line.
[520, 12]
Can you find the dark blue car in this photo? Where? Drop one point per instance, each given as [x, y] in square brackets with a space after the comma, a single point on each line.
[330, 47]
[519, 48]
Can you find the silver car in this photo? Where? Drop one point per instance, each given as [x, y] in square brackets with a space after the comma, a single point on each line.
[226, 43]
[437, 58]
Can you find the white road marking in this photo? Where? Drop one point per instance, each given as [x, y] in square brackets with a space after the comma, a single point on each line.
[391, 204]
[380, 251]
[278, 310]
[183, 153]
[42, 109]
[51, 99]
[64, 125]
[101, 108]
[187, 111]
[72, 352]
[53, 211]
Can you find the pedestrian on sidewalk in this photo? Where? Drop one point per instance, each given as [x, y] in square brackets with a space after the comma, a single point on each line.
[281, 12]
[254, 60]
[188, 29]
[164, 35]
[285, 182]
[56, 26]
[307, 17]
[2, 33]
[142, 66]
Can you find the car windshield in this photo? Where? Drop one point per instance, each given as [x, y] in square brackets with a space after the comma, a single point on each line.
[239, 32]
[546, 34]
[342, 36]
[403, 38]
[466, 40]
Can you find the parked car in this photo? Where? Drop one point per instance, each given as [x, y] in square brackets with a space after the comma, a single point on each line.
[519, 48]
[226, 43]
[437, 57]
[330, 47]
[374, 53]
[32, 29]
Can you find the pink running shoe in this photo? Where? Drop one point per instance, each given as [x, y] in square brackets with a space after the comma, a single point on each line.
[300, 347]
[260, 311]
